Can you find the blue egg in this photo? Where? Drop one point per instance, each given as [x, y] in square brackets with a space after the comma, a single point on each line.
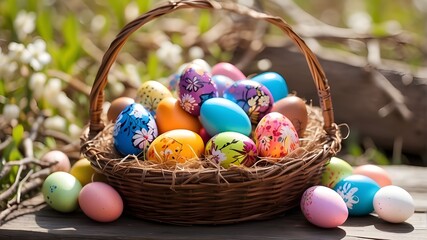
[275, 83]
[222, 82]
[221, 115]
[134, 130]
[358, 192]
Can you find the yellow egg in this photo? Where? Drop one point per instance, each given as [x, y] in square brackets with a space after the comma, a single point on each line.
[176, 146]
[83, 171]
[150, 93]
[170, 115]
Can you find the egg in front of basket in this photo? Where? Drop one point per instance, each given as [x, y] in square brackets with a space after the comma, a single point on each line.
[176, 146]
[134, 130]
[275, 136]
[231, 148]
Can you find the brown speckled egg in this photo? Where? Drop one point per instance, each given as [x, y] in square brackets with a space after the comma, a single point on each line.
[150, 93]
[294, 109]
[117, 106]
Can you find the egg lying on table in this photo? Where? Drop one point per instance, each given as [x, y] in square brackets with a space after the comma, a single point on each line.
[176, 146]
[275, 136]
[134, 130]
[393, 204]
[323, 207]
[254, 98]
[335, 170]
[358, 192]
[231, 148]
[100, 202]
[195, 87]
[378, 174]
[61, 191]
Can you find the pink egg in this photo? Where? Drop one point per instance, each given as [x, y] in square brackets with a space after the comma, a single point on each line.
[376, 173]
[323, 207]
[100, 202]
[61, 160]
[228, 70]
[275, 136]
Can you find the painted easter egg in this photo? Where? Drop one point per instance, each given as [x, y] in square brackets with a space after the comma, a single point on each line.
[394, 204]
[275, 83]
[134, 130]
[195, 87]
[176, 146]
[254, 98]
[335, 170]
[229, 70]
[222, 115]
[231, 148]
[150, 94]
[222, 82]
[170, 116]
[323, 207]
[358, 192]
[275, 136]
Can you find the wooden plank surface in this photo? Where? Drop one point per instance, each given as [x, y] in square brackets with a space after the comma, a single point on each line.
[49, 224]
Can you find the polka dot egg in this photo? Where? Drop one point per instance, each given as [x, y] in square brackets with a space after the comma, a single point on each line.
[150, 93]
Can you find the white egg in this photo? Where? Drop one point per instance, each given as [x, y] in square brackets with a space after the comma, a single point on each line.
[393, 204]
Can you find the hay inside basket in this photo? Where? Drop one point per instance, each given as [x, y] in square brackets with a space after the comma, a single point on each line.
[202, 192]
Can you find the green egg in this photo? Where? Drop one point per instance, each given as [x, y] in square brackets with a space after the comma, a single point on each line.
[231, 148]
[61, 191]
[336, 170]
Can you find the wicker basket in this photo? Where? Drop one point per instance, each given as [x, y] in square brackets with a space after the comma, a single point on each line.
[212, 195]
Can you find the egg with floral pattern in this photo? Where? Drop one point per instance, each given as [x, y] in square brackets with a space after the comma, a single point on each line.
[254, 98]
[134, 130]
[231, 148]
[195, 87]
[275, 136]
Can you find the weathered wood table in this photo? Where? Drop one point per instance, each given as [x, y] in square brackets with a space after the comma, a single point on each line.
[49, 224]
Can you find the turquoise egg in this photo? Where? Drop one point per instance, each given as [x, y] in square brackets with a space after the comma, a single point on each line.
[222, 115]
[134, 130]
[358, 192]
[275, 83]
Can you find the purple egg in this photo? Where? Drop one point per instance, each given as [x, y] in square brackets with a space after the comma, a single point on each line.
[254, 98]
[195, 87]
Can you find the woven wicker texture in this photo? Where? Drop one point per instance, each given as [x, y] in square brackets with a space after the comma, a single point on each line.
[203, 193]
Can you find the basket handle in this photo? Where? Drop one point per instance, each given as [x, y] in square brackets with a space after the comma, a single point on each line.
[97, 92]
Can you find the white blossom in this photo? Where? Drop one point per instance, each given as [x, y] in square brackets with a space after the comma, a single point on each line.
[360, 22]
[57, 123]
[36, 55]
[36, 84]
[10, 112]
[97, 23]
[24, 23]
[170, 54]
[16, 50]
[7, 67]
[196, 52]
[75, 131]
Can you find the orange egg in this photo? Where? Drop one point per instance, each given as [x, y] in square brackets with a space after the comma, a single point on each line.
[376, 173]
[293, 108]
[176, 146]
[170, 116]
[117, 106]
